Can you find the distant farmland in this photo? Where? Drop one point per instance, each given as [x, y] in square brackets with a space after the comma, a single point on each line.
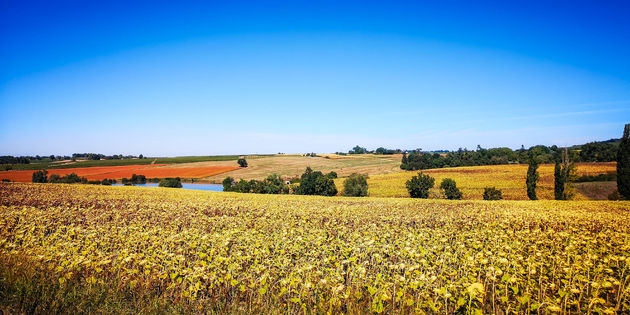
[118, 172]
[47, 164]
[472, 180]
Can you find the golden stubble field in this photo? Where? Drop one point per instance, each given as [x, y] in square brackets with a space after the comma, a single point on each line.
[78, 248]
[294, 166]
[473, 179]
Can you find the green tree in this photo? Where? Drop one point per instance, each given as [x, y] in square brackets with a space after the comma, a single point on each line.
[491, 193]
[307, 183]
[623, 164]
[274, 184]
[325, 186]
[242, 186]
[171, 182]
[316, 183]
[242, 162]
[532, 177]
[358, 150]
[40, 176]
[450, 189]
[227, 183]
[418, 186]
[355, 185]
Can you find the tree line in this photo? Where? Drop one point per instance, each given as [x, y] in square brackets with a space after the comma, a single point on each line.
[99, 156]
[309, 183]
[565, 170]
[28, 159]
[590, 152]
[380, 150]
[41, 176]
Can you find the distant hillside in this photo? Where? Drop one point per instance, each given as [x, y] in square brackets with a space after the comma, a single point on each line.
[614, 142]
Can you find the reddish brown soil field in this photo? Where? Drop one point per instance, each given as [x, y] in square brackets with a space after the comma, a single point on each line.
[117, 172]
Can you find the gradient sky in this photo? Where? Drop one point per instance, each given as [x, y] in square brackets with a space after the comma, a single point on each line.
[196, 78]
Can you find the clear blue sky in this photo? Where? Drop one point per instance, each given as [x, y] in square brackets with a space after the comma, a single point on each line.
[193, 78]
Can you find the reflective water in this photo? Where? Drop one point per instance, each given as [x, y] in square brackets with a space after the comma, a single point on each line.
[210, 187]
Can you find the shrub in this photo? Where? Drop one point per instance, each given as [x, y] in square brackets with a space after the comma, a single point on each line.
[418, 186]
[608, 177]
[54, 178]
[171, 182]
[356, 185]
[450, 189]
[614, 195]
[138, 179]
[242, 162]
[40, 176]
[108, 182]
[491, 193]
[71, 179]
[68, 179]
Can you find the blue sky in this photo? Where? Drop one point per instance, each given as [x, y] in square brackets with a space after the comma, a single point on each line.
[233, 77]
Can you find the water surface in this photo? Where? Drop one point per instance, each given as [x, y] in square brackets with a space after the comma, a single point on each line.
[210, 187]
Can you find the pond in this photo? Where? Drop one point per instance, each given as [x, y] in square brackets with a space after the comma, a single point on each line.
[210, 187]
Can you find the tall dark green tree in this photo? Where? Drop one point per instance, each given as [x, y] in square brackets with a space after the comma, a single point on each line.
[623, 164]
[558, 182]
[564, 171]
[532, 178]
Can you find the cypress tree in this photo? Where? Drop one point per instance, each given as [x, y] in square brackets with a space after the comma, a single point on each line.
[563, 172]
[623, 164]
[558, 187]
[532, 178]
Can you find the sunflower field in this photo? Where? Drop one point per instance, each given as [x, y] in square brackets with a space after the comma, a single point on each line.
[77, 248]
